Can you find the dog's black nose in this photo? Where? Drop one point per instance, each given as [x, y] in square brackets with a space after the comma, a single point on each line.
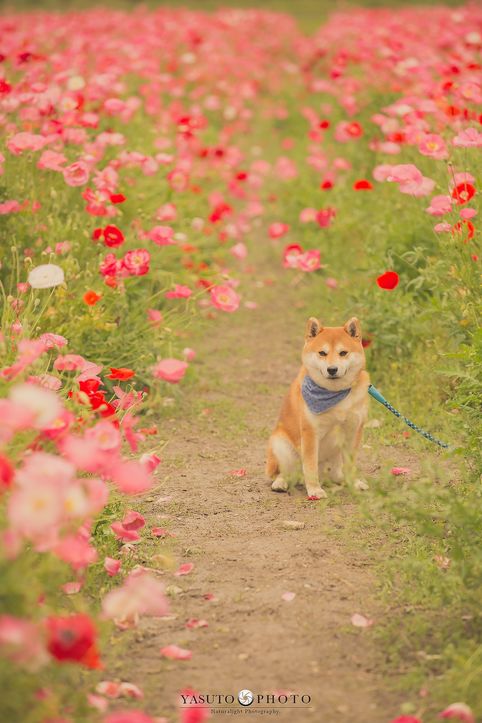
[332, 371]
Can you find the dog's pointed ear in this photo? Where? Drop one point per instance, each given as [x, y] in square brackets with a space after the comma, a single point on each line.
[313, 327]
[353, 328]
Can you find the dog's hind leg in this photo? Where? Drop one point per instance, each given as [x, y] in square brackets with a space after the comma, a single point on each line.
[283, 461]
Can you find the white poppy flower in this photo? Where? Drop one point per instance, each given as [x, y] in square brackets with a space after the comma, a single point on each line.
[46, 276]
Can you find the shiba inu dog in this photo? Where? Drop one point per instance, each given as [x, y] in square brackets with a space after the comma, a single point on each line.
[321, 421]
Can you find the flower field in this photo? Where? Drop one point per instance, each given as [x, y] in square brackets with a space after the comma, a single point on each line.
[160, 169]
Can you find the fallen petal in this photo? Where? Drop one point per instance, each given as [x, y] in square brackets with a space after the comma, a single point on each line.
[174, 652]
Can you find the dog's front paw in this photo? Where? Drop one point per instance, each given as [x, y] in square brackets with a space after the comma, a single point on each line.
[279, 484]
[316, 493]
[361, 485]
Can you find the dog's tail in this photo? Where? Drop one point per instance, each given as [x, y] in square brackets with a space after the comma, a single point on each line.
[272, 466]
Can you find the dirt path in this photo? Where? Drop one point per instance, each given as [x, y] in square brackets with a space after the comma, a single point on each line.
[231, 529]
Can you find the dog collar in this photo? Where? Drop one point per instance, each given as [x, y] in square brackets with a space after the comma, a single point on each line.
[318, 399]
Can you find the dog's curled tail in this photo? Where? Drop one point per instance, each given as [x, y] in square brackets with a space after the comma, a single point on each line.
[272, 466]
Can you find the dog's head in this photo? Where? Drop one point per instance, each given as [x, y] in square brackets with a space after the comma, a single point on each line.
[333, 355]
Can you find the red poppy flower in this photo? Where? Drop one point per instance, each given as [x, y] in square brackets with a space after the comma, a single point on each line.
[463, 193]
[6, 472]
[362, 185]
[326, 185]
[117, 198]
[91, 298]
[354, 129]
[389, 280]
[5, 87]
[113, 236]
[89, 386]
[72, 639]
[122, 373]
[458, 229]
[325, 216]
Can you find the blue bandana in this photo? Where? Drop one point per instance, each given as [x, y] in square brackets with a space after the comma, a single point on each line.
[319, 399]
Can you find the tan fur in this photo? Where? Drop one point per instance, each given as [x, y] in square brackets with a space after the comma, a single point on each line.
[322, 443]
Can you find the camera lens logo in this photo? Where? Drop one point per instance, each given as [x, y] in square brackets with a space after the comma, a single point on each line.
[245, 697]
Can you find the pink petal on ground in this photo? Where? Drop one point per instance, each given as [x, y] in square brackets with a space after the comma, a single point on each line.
[161, 532]
[193, 623]
[209, 596]
[133, 520]
[174, 652]
[400, 470]
[288, 596]
[184, 569]
[71, 588]
[122, 534]
[238, 473]
[360, 621]
[111, 566]
[129, 690]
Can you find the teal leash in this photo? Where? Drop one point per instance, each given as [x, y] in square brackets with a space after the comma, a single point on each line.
[373, 391]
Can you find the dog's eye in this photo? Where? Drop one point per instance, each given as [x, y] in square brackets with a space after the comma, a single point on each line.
[343, 353]
[322, 353]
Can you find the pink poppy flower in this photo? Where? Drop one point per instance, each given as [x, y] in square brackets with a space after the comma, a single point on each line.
[51, 160]
[9, 207]
[434, 146]
[161, 235]
[75, 551]
[325, 216]
[439, 205]
[307, 215]
[191, 710]
[24, 141]
[131, 477]
[278, 229]
[239, 251]
[179, 292]
[459, 711]
[224, 297]
[442, 227]
[137, 262]
[291, 254]
[167, 212]
[52, 341]
[468, 138]
[189, 354]
[140, 594]
[151, 461]
[22, 642]
[347, 131]
[309, 261]
[77, 174]
[170, 370]
[154, 316]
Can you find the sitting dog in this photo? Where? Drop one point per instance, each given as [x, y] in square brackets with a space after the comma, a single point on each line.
[322, 417]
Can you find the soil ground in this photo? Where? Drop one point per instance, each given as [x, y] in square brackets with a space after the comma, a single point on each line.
[231, 528]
